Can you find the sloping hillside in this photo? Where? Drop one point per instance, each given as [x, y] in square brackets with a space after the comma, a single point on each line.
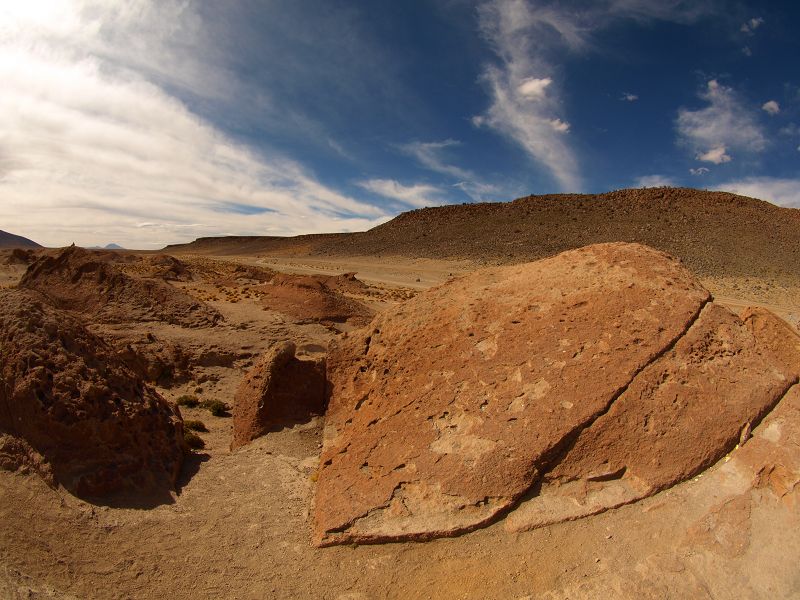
[9, 240]
[714, 233]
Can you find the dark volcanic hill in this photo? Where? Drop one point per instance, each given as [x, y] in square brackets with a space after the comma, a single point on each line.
[9, 240]
[714, 233]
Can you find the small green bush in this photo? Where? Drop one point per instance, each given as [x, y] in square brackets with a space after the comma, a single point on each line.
[193, 425]
[193, 441]
[216, 407]
[188, 401]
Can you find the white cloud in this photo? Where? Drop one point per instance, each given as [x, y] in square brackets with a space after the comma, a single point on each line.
[525, 103]
[771, 107]
[751, 25]
[418, 195]
[747, 51]
[529, 38]
[91, 149]
[725, 125]
[533, 88]
[648, 181]
[430, 155]
[783, 192]
[699, 171]
[792, 129]
[716, 156]
[628, 97]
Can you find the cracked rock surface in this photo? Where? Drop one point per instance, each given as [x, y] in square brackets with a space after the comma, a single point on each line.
[604, 371]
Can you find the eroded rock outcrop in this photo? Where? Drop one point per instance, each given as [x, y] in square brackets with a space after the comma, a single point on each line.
[72, 411]
[76, 280]
[317, 298]
[446, 413]
[280, 390]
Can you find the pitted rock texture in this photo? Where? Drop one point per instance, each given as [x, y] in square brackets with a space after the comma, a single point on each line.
[72, 411]
[280, 390]
[678, 417]
[81, 281]
[445, 413]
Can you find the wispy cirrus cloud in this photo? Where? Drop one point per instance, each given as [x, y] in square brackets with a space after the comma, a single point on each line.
[417, 195]
[525, 100]
[432, 156]
[526, 94]
[724, 126]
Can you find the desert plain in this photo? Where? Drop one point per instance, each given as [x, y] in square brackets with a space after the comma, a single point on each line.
[268, 509]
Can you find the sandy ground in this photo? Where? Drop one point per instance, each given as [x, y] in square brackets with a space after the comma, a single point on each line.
[237, 527]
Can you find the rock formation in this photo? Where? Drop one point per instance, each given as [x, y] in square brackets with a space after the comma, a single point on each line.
[76, 280]
[316, 298]
[19, 256]
[168, 268]
[605, 370]
[280, 390]
[71, 410]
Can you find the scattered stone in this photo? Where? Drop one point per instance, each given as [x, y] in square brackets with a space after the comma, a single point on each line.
[168, 268]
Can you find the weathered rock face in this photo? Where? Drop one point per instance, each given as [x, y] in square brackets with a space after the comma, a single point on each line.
[280, 390]
[168, 268]
[155, 360]
[316, 298]
[72, 411]
[447, 412]
[19, 256]
[677, 418]
[77, 280]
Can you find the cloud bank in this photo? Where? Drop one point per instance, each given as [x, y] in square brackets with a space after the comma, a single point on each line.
[88, 136]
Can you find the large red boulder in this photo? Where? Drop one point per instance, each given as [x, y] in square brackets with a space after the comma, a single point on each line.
[445, 413]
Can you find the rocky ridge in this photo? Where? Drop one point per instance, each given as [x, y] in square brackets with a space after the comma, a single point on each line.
[83, 282]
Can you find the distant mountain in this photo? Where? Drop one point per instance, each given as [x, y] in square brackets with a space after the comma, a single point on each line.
[9, 240]
[106, 247]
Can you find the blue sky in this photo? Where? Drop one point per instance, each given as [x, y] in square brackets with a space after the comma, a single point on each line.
[150, 122]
